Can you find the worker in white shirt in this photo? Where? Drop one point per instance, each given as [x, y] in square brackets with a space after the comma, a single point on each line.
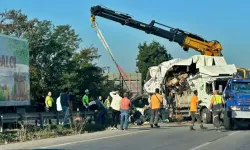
[115, 105]
[59, 107]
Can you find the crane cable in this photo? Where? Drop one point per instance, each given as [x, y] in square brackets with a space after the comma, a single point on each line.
[105, 44]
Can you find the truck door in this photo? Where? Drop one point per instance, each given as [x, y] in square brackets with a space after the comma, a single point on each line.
[226, 90]
[207, 93]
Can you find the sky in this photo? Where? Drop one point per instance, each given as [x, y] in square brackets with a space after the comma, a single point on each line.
[227, 21]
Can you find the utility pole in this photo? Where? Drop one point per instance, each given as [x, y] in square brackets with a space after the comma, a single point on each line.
[106, 68]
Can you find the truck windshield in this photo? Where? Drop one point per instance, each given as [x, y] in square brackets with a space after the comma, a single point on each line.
[241, 73]
[220, 82]
[241, 87]
[248, 74]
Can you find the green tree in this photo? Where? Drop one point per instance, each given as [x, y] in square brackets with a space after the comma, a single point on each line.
[15, 23]
[50, 47]
[150, 55]
[83, 74]
[54, 62]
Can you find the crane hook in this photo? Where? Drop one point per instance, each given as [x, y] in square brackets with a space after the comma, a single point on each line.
[92, 19]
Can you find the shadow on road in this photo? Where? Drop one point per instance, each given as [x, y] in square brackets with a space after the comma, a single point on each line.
[177, 126]
[139, 128]
[148, 128]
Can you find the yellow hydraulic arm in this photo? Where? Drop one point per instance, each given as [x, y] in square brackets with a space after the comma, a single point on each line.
[185, 39]
[243, 72]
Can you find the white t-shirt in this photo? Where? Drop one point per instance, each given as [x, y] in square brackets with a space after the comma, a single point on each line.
[58, 104]
[116, 101]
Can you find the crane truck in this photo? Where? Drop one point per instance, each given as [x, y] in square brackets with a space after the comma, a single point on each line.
[207, 48]
[185, 39]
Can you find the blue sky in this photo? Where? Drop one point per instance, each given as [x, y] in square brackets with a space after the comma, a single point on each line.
[227, 21]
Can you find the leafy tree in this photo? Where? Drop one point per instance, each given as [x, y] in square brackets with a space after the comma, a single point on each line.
[150, 55]
[54, 62]
[83, 74]
[51, 47]
[15, 23]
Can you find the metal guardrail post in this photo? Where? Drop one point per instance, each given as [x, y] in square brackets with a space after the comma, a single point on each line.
[21, 117]
[57, 118]
[41, 119]
[1, 123]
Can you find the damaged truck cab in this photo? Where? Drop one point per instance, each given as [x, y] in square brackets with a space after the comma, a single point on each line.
[237, 98]
[183, 76]
[205, 87]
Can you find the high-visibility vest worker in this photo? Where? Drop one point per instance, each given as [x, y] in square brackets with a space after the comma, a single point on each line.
[217, 102]
[85, 98]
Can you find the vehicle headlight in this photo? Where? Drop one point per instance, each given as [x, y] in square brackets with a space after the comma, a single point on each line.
[235, 108]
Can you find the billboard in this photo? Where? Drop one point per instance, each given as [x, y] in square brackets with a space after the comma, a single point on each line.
[14, 71]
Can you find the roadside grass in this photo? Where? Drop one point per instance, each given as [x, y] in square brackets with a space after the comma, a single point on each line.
[32, 132]
[78, 126]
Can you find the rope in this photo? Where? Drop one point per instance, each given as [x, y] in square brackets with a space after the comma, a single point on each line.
[105, 44]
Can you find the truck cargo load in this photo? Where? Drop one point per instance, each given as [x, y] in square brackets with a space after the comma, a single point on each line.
[14, 72]
[183, 76]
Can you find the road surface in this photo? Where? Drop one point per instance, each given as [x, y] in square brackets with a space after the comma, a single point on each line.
[144, 138]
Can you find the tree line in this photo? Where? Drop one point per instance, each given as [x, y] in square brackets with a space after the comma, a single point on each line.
[56, 60]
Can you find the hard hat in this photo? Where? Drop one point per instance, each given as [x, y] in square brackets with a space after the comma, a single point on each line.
[86, 91]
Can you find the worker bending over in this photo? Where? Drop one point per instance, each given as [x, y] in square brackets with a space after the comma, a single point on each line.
[217, 105]
[194, 112]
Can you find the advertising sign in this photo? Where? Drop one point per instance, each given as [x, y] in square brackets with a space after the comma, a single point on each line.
[14, 72]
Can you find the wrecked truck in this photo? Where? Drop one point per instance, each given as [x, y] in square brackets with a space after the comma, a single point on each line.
[183, 76]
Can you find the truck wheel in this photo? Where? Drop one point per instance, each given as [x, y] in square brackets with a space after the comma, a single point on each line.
[206, 116]
[227, 122]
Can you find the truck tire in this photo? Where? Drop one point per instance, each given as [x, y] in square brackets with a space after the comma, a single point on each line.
[206, 116]
[228, 124]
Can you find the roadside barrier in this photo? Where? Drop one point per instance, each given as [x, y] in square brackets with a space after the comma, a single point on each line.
[41, 116]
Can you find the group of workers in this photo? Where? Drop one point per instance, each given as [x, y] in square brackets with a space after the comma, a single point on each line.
[216, 106]
[120, 107]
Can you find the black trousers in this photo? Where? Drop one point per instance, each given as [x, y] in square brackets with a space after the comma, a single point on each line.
[115, 118]
[48, 110]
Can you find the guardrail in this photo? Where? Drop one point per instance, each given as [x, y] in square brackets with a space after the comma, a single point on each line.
[40, 116]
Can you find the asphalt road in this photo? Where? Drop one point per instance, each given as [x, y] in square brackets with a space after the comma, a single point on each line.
[167, 137]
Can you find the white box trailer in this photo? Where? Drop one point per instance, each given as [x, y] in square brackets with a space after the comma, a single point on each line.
[14, 72]
[204, 74]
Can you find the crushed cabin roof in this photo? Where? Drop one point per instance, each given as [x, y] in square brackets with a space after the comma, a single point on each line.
[207, 65]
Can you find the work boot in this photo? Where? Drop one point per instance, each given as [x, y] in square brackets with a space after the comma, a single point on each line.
[202, 127]
[157, 126]
[192, 128]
